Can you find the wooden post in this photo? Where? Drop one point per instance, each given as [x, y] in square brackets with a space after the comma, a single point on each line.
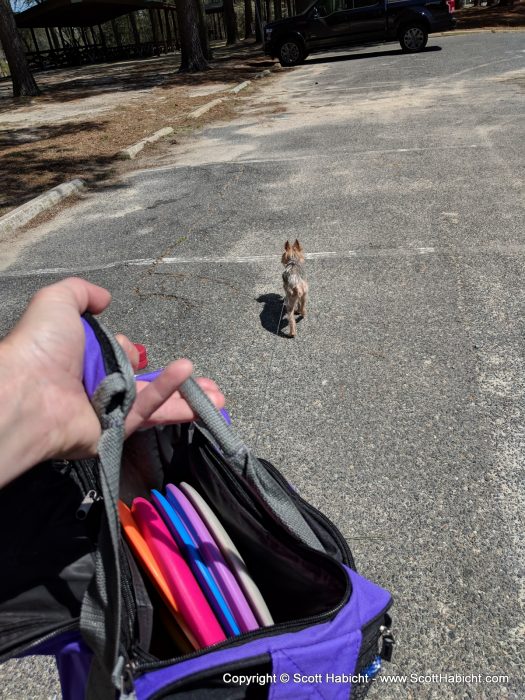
[162, 29]
[48, 36]
[134, 28]
[35, 42]
[169, 37]
[102, 37]
[175, 29]
[54, 38]
[154, 30]
[116, 33]
[74, 40]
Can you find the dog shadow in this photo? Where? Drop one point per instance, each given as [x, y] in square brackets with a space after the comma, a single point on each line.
[273, 315]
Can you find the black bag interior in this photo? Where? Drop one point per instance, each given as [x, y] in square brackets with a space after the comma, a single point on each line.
[47, 551]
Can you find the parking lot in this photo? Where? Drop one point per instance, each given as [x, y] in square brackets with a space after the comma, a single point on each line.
[398, 409]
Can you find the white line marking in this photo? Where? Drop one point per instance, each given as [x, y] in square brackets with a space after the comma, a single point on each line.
[321, 255]
[204, 260]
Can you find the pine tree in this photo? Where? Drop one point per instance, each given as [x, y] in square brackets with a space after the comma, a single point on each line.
[23, 82]
[192, 58]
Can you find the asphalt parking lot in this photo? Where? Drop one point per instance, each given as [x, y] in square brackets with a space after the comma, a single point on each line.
[398, 409]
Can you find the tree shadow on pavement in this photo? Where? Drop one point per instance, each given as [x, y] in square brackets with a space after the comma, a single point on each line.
[273, 315]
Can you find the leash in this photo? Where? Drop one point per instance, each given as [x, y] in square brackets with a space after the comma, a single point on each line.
[268, 377]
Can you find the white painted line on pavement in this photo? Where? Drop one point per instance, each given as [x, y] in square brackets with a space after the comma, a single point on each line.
[321, 255]
[207, 260]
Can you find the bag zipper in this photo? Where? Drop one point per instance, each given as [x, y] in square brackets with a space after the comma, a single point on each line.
[217, 670]
[275, 630]
[27, 646]
[240, 639]
[128, 598]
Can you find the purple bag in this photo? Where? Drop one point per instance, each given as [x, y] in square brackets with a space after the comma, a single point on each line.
[77, 592]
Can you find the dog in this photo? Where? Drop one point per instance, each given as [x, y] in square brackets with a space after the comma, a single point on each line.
[294, 282]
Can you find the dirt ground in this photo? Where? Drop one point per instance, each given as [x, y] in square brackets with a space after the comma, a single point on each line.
[86, 115]
[487, 17]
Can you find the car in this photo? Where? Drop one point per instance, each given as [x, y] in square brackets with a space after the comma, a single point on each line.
[330, 24]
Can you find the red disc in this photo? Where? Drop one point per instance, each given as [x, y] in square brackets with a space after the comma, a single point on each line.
[143, 356]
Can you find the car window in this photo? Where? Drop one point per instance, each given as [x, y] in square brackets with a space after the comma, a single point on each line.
[328, 7]
[364, 3]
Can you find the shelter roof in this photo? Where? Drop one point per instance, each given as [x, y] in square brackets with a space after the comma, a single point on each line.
[82, 13]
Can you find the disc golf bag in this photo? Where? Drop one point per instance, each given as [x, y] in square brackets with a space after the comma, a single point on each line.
[71, 587]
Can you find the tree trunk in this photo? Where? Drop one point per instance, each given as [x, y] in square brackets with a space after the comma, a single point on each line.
[203, 31]
[248, 19]
[23, 82]
[230, 21]
[277, 9]
[258, 21]
[192, 59]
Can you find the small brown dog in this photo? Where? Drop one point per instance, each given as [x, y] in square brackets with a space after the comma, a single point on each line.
[294, 282]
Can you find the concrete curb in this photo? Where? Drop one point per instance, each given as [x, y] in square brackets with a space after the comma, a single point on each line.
[131, 151]
[240, 86]
[205, 108]
[28, 211]
[479, 30]
[262, 74]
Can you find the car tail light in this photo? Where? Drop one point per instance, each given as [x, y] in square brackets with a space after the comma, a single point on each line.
[451, 5]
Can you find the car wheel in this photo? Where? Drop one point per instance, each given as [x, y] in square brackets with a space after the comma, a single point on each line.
[413, 38]
[290, 53]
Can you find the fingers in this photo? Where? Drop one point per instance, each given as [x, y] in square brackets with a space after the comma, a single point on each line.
[153, 396]
[89, 297]
[130, 350]
[160, 402]
[84, 295]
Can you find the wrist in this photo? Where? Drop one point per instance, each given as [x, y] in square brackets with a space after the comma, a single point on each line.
[23, 438]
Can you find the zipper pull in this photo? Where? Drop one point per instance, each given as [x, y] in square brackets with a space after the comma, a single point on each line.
[88, 500]
[386, 641]
[127, 685]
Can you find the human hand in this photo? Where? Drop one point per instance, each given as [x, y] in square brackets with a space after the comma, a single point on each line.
[45, 410]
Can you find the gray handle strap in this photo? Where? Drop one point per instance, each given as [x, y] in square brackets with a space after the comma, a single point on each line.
[101, 612]
[230, 444]
[263, 486]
